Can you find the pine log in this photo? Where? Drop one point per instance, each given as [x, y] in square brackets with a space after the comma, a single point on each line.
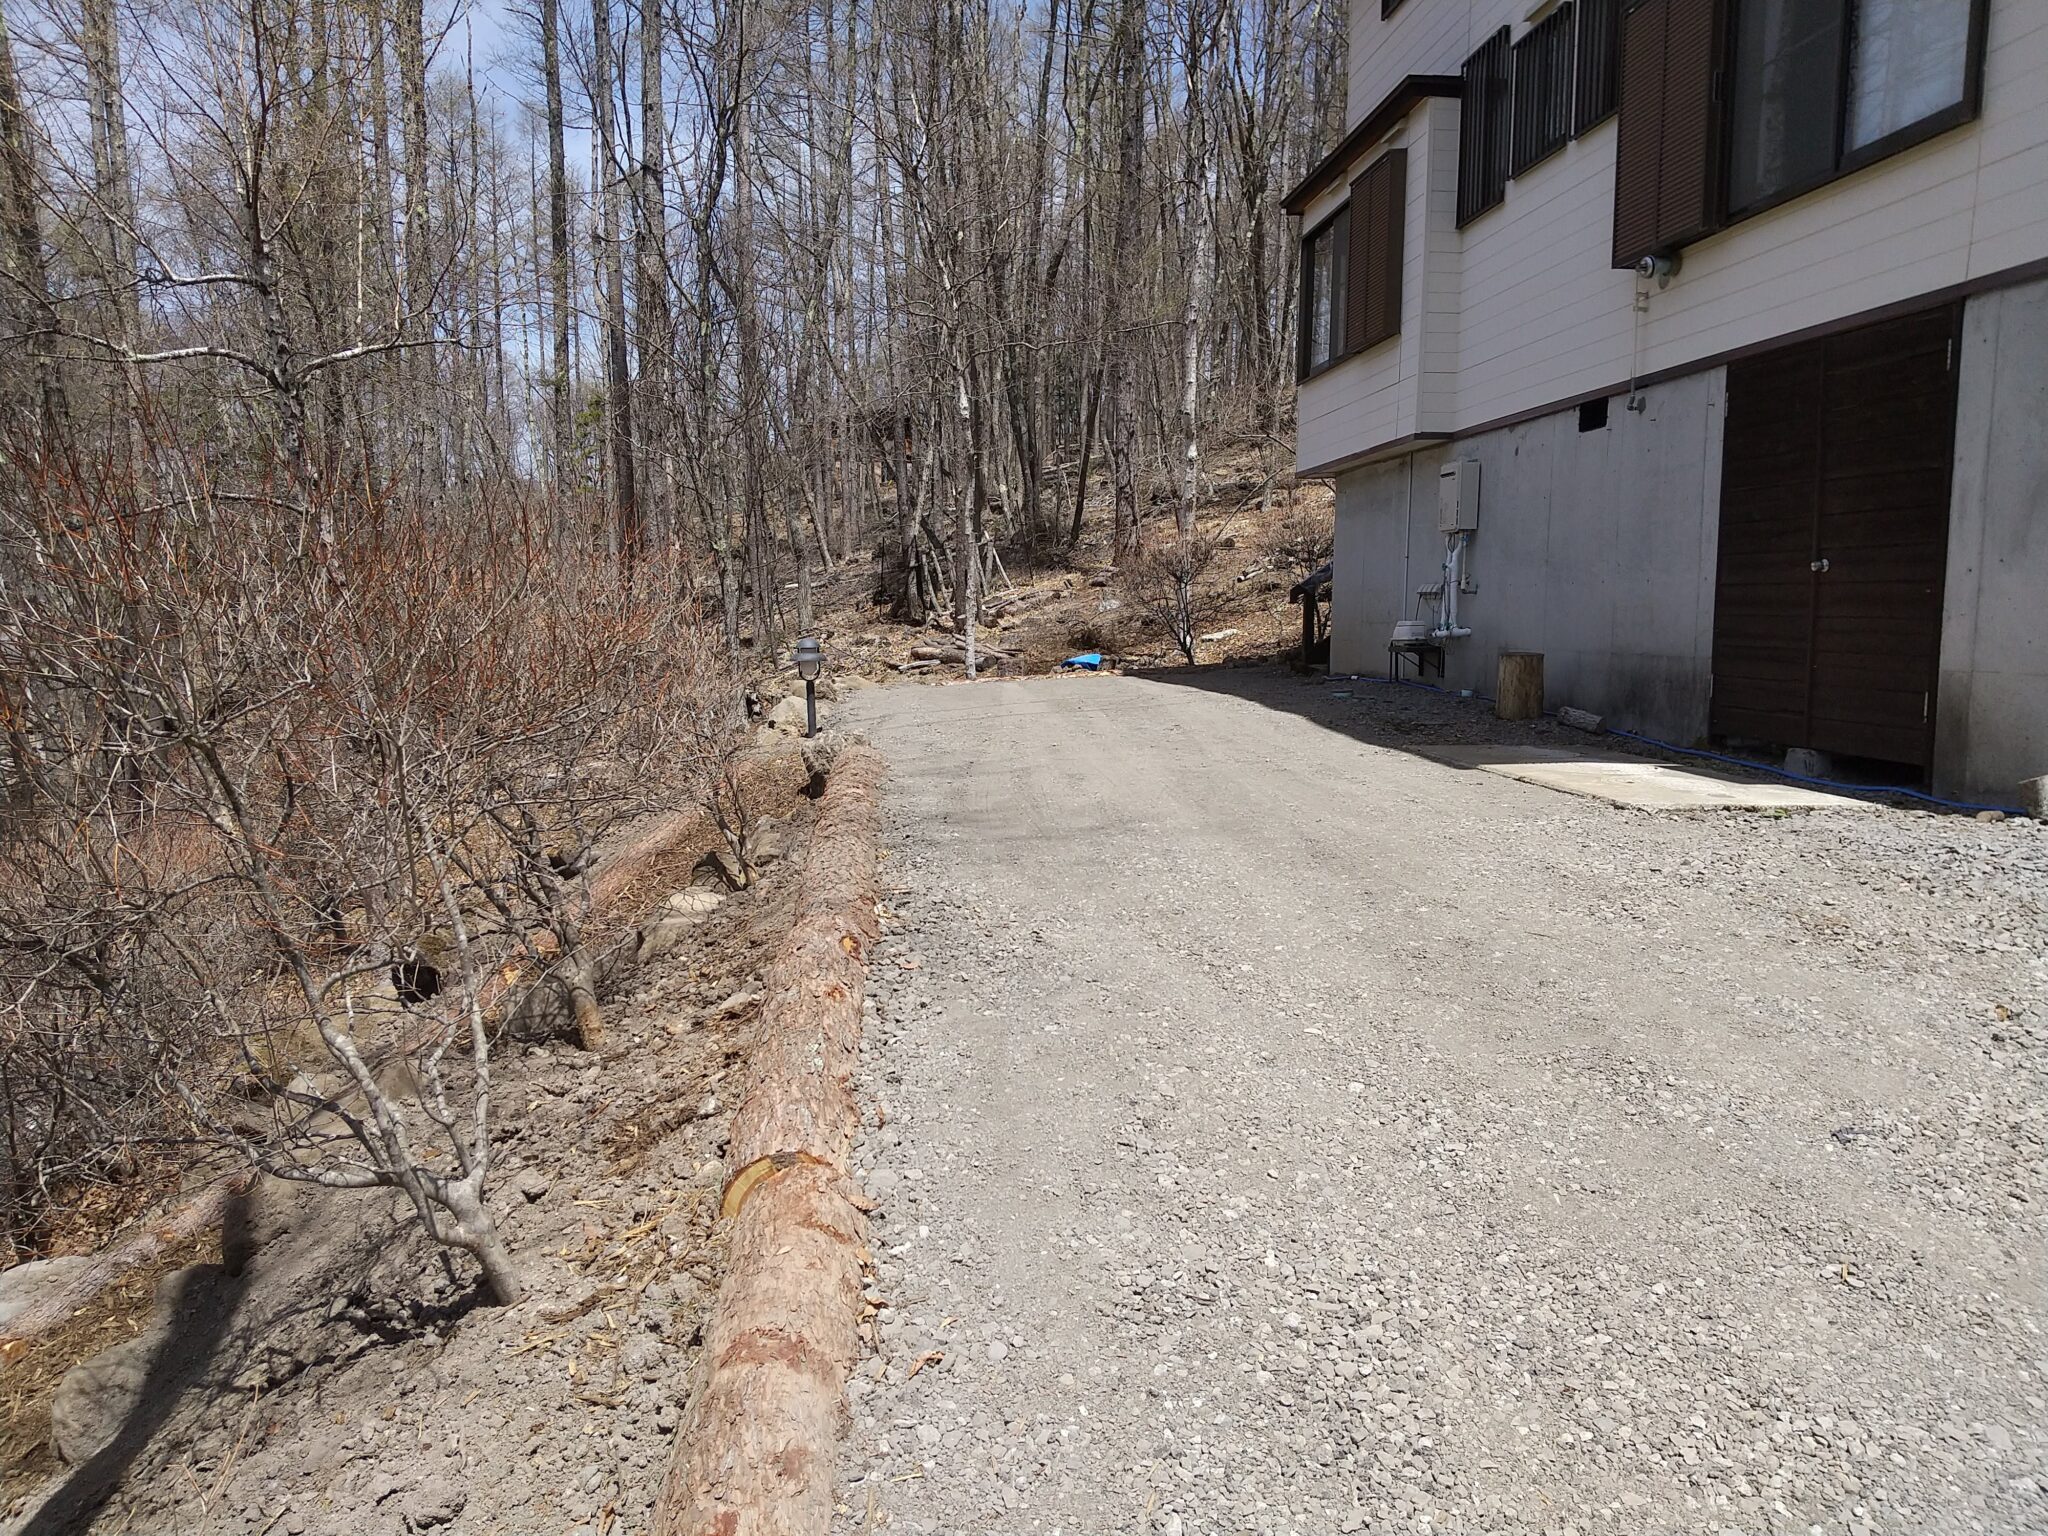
[755, 1453]
[207, 1209]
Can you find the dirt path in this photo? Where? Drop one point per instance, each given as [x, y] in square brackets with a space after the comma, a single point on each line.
[1285, 1133]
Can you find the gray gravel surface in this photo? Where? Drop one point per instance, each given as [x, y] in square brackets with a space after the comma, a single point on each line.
[1275, 1131]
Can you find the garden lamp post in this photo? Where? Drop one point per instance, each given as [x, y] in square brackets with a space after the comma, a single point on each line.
[810, 661]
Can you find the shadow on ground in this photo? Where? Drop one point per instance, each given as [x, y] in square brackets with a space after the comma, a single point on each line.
[202, 1300]
[1379, 712]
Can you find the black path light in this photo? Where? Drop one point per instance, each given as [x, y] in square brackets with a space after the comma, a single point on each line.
[810, 661]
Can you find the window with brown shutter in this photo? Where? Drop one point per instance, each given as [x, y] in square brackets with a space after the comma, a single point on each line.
[1543, 89]
[1379, 198]
[1483, 128]
[1667, 148]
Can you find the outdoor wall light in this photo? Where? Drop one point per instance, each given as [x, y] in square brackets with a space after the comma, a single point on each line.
[810, 661]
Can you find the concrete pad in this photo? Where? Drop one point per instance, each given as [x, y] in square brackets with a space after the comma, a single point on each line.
[1639, 782]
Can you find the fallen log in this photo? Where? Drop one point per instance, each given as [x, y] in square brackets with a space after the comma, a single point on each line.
[207, 1209]
[956, 653]
[755, 1451]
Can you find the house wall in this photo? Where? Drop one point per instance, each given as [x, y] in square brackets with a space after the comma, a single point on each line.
[1991, 721]
[1595, 548]
[1404, 386]
[1539, 317]
[1598, 549]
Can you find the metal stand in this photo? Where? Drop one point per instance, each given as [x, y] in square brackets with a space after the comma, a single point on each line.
[811, 705]
[1423, 655]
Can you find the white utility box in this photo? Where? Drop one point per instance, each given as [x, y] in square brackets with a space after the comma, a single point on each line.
[1457, 496]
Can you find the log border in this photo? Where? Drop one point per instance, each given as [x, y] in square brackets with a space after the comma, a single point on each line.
[756, 1448]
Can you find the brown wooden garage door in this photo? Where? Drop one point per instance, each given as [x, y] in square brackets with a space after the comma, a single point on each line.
[1834, 537]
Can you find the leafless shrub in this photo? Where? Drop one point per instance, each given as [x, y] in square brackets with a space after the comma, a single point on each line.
[1301, 538]
[1164, 582]
[289, 821]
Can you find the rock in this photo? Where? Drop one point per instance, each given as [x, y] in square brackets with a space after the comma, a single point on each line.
[1581, 720]
[1991, 815]
[26, 1284]
[767, 844]
[697, 901]
[789, 718]
[718, 869]
[1218, 634]
[735, 1005]
[532, 1184]
[662, 937]
[640, 1355]
[998, 1351]
[100, 1397]
[437, 1501]
[2034, 797]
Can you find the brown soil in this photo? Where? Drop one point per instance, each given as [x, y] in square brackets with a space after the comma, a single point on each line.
[1078, 602]
[349, 1381]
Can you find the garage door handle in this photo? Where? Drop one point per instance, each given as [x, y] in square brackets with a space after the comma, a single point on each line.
[1817, 565]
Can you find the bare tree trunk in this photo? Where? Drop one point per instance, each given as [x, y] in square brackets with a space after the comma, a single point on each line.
[26, 267]
[1123, 347]
[651, 312]
[558, 236]
[1195, 264]
[416, 370]
[618, 391]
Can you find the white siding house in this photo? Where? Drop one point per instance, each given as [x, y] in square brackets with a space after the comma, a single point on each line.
[1676, 574]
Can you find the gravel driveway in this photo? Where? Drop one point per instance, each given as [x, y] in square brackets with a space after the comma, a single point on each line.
[1281, 1132]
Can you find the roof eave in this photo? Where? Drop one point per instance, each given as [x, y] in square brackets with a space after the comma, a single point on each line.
[1375, 125]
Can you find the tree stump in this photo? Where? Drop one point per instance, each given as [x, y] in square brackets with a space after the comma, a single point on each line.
[1519, 694]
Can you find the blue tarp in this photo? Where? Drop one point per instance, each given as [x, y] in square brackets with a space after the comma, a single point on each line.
[1092, 660]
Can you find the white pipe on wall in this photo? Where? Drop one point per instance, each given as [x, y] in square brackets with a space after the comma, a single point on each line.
[1447, 626]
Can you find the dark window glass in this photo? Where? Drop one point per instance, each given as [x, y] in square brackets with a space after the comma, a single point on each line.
[1784, 102]
[1593, 416]
[1909, 60]
[1543, 88]
[1598, 48]
[1483, 128]
[1322, 293]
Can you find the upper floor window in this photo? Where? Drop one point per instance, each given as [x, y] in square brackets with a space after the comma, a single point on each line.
[1322, 292]
[1543, 89]
[1351, 268]
[1483, 129]
[1814, 89]
[1521, 103]
[1912, 64]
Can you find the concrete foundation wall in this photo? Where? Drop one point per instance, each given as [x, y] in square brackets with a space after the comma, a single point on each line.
[1991, 724]
[1595, 548]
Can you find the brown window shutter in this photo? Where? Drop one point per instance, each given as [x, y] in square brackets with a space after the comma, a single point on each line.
[1379, 198]
[1667, 146]
[1639, 137]
[1358, 272]
[1388, 199]
[1688, 203]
